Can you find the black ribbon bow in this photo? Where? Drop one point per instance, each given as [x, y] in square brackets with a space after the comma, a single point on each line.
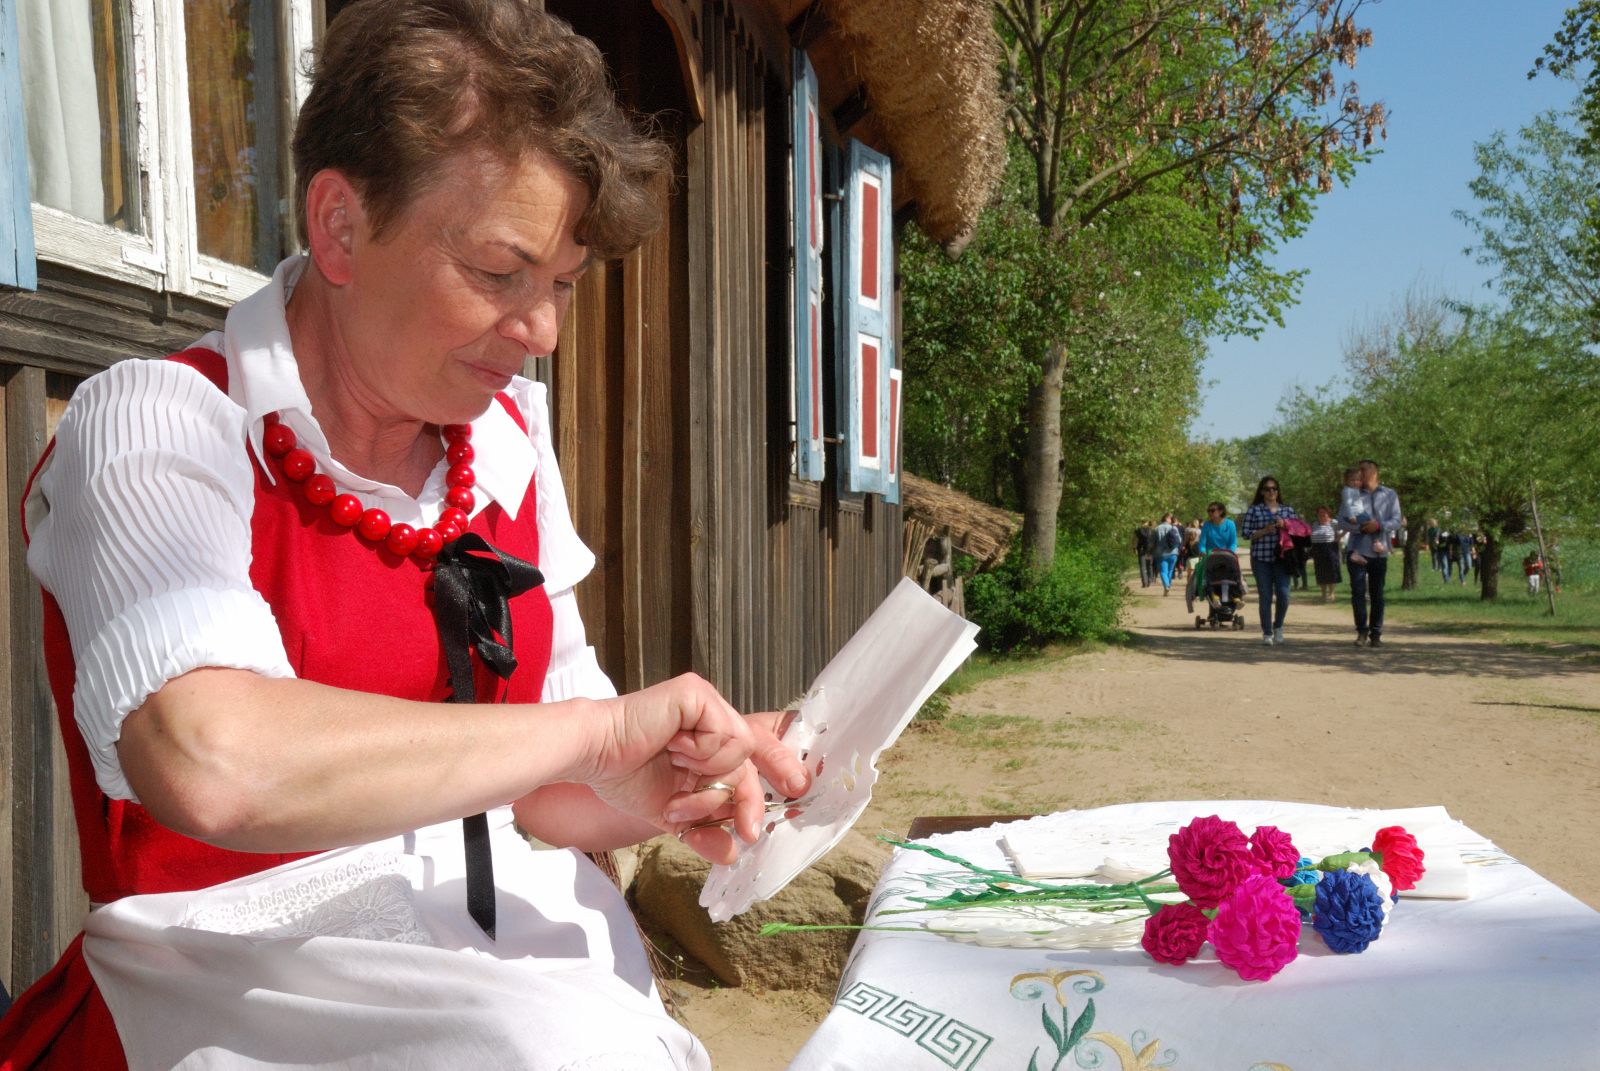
[473, 584]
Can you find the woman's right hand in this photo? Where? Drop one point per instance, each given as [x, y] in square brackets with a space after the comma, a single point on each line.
[653, 750]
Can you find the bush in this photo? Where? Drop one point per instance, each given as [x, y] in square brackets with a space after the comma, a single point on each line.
[1080, 598]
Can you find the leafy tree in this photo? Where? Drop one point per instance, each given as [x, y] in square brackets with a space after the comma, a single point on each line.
[1468, 418]
[1535, 221]
[1495, 412]
[1225, 113]
[1130, 392]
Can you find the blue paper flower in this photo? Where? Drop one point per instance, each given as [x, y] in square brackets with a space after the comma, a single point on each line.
[1304, 874]
[1349, 911]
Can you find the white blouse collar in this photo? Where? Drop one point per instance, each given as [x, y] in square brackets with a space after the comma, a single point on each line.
[263, 377]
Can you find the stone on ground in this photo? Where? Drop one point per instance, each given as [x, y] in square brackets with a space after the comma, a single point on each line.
[833, 892]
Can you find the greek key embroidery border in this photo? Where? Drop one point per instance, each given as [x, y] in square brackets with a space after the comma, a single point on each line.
[956, 1044]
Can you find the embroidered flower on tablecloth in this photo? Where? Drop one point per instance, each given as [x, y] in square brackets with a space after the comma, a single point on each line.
[1210, 857]
[1275, 852]
[1256, 929]
[1402, 859]
[1350, 910]
[1175, 933]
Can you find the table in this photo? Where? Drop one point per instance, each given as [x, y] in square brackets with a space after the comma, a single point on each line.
[1507, 978]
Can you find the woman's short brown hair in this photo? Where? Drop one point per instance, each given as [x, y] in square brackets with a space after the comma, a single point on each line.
[401, 86]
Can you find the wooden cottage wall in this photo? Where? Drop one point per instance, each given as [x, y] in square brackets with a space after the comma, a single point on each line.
[620, 386]
[671, 390]
[728, 351]
[75, 325]
[784, 573]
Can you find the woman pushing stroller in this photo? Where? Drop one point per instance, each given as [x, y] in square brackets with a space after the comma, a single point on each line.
[1218, 533]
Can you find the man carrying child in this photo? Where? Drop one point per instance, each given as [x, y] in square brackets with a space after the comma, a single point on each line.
[1370, 513]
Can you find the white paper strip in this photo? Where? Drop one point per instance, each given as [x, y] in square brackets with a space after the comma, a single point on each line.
[858, 706]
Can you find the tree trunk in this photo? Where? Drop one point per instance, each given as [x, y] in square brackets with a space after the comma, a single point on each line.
[1489, 570]
[1413, 551]
[1042, 462]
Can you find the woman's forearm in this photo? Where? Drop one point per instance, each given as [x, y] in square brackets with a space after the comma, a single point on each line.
[257, 764]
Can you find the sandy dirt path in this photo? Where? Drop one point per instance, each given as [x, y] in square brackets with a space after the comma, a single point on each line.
[1507, 740]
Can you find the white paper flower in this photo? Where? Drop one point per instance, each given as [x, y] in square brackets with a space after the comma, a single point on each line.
[1372, 870]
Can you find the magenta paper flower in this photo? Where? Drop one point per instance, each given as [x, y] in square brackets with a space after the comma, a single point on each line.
[1275, 853]
[1256, 929]
[1175, 933]
[1209, 859]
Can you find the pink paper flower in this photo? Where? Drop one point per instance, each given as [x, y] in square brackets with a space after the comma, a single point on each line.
[1175, 933]
[1402, 859]
[1275, 853]
[1209, 859]
[1256, 929]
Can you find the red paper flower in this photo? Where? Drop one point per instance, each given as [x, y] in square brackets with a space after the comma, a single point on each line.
[1209, 859]
[1402, 859]
[1175, 933]
[1275, 853]
[1257, 929]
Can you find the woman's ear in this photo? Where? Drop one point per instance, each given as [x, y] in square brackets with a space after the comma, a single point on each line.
[334, 217]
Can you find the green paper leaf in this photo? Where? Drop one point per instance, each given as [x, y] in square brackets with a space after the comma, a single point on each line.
[1343, 860]
[1033, 1061]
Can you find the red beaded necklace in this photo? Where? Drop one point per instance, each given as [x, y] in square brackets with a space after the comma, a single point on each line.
[374, 524]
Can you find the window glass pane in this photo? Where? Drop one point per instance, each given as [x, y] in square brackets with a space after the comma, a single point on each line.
[234, 112]
[75, 63]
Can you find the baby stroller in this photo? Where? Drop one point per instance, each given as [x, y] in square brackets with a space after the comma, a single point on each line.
[1224, 591]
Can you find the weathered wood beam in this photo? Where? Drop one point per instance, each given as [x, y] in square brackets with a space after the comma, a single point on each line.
[33, 870]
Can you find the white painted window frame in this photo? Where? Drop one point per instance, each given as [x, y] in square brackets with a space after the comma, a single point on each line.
[165, 255]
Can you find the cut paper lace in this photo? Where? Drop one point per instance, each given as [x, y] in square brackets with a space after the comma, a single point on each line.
[366, 900]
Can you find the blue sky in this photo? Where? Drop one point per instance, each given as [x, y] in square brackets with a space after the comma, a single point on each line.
[1450, 72]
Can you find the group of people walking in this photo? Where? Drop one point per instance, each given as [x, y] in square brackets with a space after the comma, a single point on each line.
[1160, 549]
[1367, 520]
[1456, 552]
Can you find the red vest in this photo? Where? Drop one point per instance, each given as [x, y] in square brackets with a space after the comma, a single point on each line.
[352, 615]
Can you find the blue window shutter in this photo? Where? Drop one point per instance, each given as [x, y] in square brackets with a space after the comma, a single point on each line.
[865, 344]
[17, 264]
[808, 242]
[897, 401]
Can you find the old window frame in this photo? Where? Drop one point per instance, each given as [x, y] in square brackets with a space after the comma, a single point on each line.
[165, 254]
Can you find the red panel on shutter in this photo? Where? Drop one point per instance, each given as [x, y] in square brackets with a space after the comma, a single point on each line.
[894, 425]
[816, 371]
[869, 240]
[811, 158]
[869, 400]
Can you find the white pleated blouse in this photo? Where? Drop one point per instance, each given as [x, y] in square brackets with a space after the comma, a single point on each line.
[140, 519]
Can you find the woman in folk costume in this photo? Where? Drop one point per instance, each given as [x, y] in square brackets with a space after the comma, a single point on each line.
[310, 618]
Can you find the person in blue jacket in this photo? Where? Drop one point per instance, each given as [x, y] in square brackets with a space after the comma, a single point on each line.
[1218, 533]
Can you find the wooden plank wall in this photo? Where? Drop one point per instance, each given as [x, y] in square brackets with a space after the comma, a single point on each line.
[728, 366]
[73, 326]
[783, 574]
[621, 386]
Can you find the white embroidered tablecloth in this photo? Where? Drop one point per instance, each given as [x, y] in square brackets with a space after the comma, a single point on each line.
[1509, 977]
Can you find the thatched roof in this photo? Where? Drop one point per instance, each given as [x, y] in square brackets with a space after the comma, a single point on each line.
[985, 532]
[927, 72]
[931, 69]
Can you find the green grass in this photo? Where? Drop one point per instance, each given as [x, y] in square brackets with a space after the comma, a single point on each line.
[1513, 619]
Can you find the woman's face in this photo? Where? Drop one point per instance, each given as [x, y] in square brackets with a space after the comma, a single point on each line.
[474, 278]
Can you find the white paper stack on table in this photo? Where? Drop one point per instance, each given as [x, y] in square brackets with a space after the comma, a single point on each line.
[1094, 850]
